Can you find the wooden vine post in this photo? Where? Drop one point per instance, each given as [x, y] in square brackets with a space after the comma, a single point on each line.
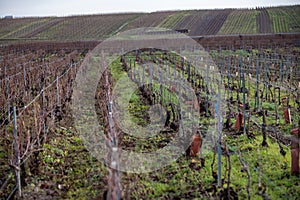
[196, 143]
[264, 125]
[295, 152]
[239, 119]
[286, 110]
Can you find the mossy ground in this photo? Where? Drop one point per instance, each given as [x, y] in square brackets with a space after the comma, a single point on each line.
[69, 171]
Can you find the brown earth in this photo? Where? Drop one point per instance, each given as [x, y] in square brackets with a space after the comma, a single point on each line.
[263, 21]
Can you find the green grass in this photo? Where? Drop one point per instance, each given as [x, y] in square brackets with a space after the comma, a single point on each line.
[186, 178]
[65, 163]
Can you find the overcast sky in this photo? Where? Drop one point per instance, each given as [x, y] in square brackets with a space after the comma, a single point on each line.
[75, 7]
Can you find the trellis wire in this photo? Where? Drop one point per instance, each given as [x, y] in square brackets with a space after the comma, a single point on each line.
[18, 157]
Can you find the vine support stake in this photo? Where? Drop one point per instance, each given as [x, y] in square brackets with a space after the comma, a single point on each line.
[264, 125]
[8, 111]
[24, 69]
[7, 88]
[295, 152]
[287, 113]
[206, 86]
[244, 100]
[44, 113]
[257, 86]
[17, 154]
[57, 92]
[219, 117]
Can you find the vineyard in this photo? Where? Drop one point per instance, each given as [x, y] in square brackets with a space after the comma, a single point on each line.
[229, 100]
[196, 22]
[240, 21]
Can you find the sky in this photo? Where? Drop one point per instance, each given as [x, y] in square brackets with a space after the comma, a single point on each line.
[21, 8]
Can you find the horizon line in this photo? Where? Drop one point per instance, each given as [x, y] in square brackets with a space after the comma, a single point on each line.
[140, 12]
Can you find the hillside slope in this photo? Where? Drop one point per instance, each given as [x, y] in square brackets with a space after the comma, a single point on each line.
[196, 22]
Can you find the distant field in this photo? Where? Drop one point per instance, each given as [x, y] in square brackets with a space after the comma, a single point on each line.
[285, 19]
[240, 21]
[196, 22]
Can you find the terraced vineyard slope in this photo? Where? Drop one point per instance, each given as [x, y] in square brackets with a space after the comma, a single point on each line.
[192, 22]
[285, 19]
